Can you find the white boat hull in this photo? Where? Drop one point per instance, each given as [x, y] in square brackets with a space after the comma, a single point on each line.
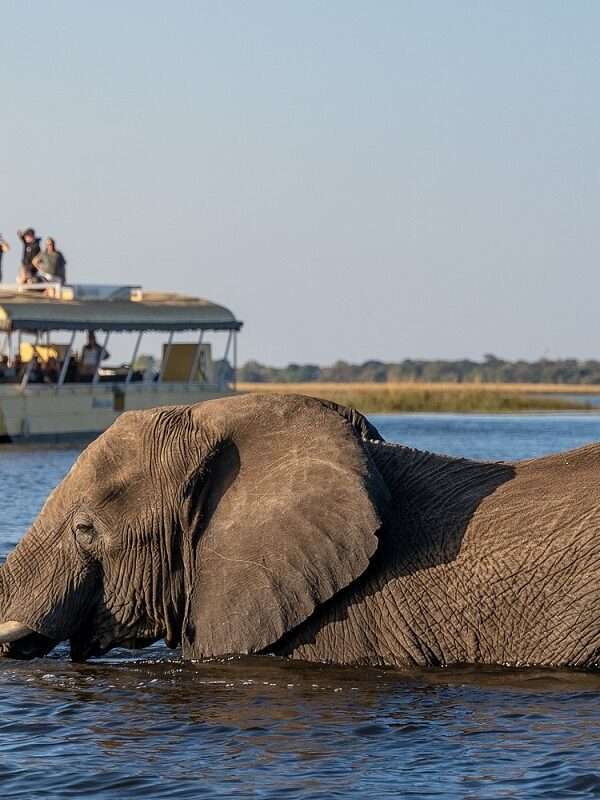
[84, 409]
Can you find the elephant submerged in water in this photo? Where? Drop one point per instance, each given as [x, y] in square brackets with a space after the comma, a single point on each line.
[285, 525]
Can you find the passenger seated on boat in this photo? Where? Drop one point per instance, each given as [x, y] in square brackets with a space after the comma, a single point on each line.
[18, 367]
[51, 370]
[72, 375]
[8, 371]
[36, 373]
[91, 356]
[51, 263]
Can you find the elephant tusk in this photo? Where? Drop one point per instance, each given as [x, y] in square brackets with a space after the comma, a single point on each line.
[13, 631]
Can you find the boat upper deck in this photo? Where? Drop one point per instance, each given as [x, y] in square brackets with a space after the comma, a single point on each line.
[132, 310]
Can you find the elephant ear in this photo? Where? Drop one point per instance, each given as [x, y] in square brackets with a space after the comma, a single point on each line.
[288, 515]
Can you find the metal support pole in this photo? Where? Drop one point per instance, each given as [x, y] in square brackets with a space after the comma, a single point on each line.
[10, 348]
[100, 356]
[225, 356]
[163, 363]
[133, 358]
[196, 359]
[234, 382]
[25, 379]
[67, 359]
[227, 346]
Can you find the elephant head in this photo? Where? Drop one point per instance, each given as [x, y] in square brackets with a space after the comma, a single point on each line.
[219, 526]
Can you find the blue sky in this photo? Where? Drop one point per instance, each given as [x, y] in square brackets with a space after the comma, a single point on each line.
[354, 179]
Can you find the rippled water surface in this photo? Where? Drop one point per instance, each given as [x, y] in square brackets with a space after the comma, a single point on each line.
[147, 725]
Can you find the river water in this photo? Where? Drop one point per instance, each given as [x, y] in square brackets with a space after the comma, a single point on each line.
[147, 725]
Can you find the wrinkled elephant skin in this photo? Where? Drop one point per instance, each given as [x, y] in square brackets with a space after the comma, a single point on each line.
[284, 524]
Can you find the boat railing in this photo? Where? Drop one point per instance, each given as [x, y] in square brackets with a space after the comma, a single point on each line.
[111, 386]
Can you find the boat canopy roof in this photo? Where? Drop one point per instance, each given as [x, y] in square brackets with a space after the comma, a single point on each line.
[144, 311]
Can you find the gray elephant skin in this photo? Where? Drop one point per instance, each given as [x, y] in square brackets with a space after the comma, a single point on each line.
[285, 525]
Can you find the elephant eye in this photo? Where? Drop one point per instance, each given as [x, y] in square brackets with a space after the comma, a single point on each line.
[84, 531]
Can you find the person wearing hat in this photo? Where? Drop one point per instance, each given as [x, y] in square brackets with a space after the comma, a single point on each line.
[31, 248]
[4, 248]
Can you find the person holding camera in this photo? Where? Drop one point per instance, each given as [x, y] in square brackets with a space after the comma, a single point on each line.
[31, 248]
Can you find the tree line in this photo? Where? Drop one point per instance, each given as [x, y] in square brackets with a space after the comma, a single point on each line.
[490, 370]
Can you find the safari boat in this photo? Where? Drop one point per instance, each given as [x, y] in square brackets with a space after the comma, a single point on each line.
[43, 325]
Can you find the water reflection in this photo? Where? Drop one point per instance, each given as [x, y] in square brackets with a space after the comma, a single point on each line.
[241, 722]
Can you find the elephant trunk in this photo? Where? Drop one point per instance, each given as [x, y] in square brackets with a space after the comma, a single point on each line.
[10, 630]
[6, 588]
[17, 638]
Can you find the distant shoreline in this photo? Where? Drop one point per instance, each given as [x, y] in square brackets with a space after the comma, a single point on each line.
[492, 370]
[412, 396]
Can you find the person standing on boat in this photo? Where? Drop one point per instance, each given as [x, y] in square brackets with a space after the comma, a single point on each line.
[91, 356]
[4, 248]
[31, 248]
[51, 263]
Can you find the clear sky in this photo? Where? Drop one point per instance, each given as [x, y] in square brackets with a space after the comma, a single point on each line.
[354, 179]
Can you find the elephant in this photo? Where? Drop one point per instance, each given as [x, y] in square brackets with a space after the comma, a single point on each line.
[285, 525]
